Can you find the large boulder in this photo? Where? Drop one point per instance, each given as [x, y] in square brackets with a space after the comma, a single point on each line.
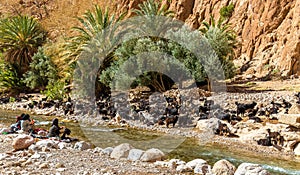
[251, 169]
[22, 142]
[121, 151]
[295, 109]
[223, 167]
[152, 155]
[290, 119]
[211, 124]
[135, 154]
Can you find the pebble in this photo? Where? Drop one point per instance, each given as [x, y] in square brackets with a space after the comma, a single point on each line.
[36, 156]
[43, 165]
[60, 169]
[59, 165]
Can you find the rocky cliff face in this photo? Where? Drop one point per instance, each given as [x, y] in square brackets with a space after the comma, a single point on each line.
[268, 30]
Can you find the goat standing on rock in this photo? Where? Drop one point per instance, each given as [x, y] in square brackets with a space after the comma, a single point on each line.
[241, 108]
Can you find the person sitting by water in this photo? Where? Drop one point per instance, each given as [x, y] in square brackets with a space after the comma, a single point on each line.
[54, 130]
[27, 125]
[23, 123]
[65, 138]
[16, 126]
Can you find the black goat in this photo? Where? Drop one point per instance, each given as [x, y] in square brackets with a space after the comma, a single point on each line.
[224, 116]
[298, 97]
[171, 119]
[286, 104]
[241, 108]
[265, 142]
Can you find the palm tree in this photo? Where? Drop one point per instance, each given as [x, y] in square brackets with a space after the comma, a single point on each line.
[221, 37]
[223, 41]
[20, 37]
[152, 8]
[92, 23]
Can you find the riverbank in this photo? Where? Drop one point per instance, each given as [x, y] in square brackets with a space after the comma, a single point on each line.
[246, 144]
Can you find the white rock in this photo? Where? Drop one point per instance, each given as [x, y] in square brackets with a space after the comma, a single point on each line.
[36, 156]
[64, 145]
[152, 155]
[107, 150]
[223, 167]
[97, 150]
[47, 143]
[135, 154]
[251, 169]
[82, 145]
[60, 169]
[161, 163]
[196, 162]
[121, 151]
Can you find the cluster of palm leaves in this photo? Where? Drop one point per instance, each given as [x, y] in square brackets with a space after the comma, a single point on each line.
[20, 37]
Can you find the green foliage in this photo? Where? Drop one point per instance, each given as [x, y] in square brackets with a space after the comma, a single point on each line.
[42, 71]
[12, 99]
[156, 18]
[223, 40]
[20, 37]
[226, 11]
[174, 58]
[92, 23]
[9, 79]
[55, 90]
[152, 8]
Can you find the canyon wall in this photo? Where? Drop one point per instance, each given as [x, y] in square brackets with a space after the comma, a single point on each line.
[268, 30]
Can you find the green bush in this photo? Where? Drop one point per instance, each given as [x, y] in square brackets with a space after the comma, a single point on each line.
[120, 72]
[55, 90]
[42, 71]
[9, 79]
[226, 11]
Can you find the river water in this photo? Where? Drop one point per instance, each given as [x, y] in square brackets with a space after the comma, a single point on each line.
[174, 146]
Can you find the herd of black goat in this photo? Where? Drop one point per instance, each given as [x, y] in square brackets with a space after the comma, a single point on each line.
[207, 110]
[67, 106]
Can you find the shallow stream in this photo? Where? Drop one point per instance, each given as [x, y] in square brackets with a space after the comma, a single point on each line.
[175, 146]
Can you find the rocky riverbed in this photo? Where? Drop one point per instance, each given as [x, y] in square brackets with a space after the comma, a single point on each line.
[54, 157]
[247, 130]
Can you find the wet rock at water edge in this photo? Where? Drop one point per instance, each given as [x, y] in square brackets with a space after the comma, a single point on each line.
[251, 169]
[223, 167]
[135, 154]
